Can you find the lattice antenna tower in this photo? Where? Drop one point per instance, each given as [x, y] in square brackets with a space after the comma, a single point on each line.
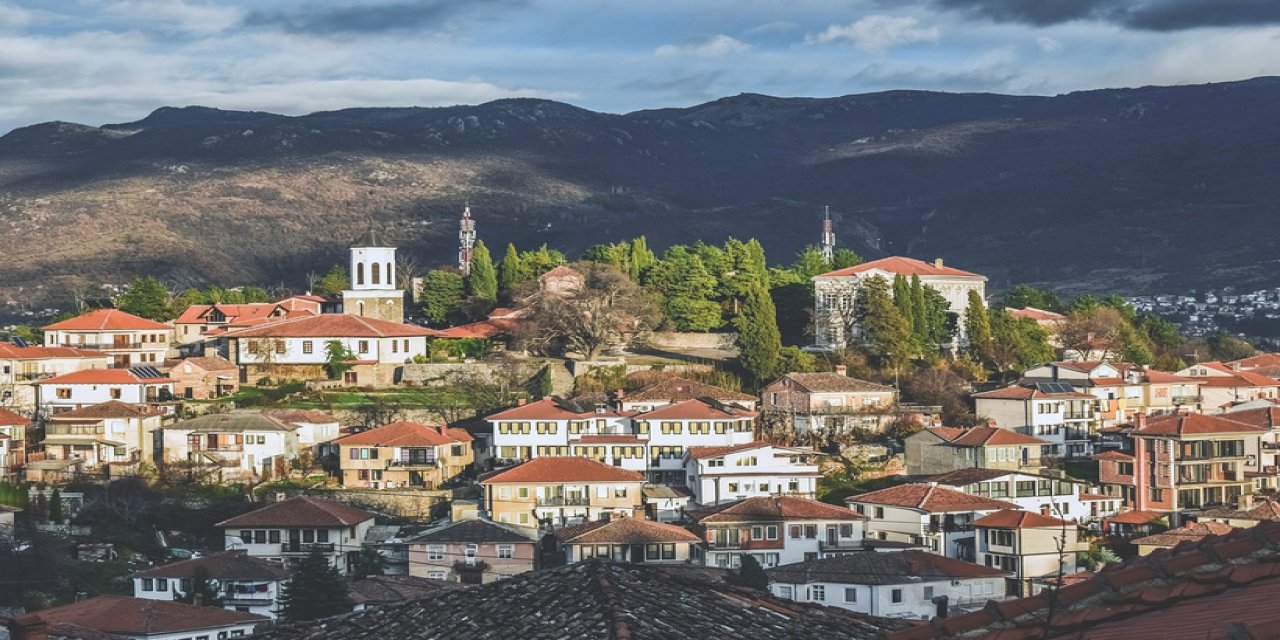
[466, 240]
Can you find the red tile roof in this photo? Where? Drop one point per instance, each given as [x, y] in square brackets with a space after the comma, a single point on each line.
[930, 498]
[1095, 497]
[406, 434]
[208, 363]
[109, 409]
[901, 266]
[122, 615]
[549, 409]
[1116, 456]
[1190, 424]
[773, 508]
[563, 469]
[696, 410]
[236, 564]
[309, 416]
[828, 382]
[675, 389]
[102, 376]
[702, 453]
[624, 531]
[303, 511]
[1136, 517]
[334, 326]
[1193, 532]
[197, 313]
[11, 419]
[1017, 519]
[485, 329]
[993, 437]
[1268, 509]
[107, 320]
[1264, 418]
[1162, 377]
[880, 568]
[1036, 314]
[9, 351]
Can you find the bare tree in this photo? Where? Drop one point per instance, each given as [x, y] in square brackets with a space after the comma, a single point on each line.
[1089, 330]
[608, 310]
[407, 268]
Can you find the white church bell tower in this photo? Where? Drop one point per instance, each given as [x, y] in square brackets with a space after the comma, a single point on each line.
[373, 291]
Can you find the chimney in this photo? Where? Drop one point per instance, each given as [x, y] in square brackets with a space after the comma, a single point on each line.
[937, 262]
[28, 627]
[520, 402]
[842, 370]
[197, 599]
[619, 394]
[941, 603]
[1139, 421]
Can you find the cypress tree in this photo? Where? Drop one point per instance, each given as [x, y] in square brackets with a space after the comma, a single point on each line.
[483, 281]
[885, 330]
[905, 300]
[919, 317]
[511, 271]
[759, 341]
[641, 258]
[315, 591]
[442, 293]
[977, 325]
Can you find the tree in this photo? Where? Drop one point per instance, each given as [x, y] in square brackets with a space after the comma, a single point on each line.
[977, 326]
[511, 271]
[482, 283]
[333, 283]
[904, 298]
[146, 298]
[641, 258]
[759, 341]
[885, 331]
[251, 294]
[796, 360]
[368, 562]
[809, 262]
[546, 384]
[1022, 296]
[337, 358]
[1016, 343]
[315, 591]
[442, 294]
[1225, 347]
[750, 574]
[609, 310]
[203, 592]
[938, 386]
[687, 288]
[55, 507]
[844, 258]
[1091, 328]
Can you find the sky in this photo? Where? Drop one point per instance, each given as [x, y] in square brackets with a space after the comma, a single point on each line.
[101, 61]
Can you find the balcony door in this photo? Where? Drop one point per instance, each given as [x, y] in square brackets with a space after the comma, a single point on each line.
[833, 535]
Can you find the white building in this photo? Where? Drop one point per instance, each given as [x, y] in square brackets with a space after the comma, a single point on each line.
[374, 292]
[778, 530]
[1051, 411]
[240, 444]
[1060, 497]
[141, 386]
[836, 293]
[113, 432]
[889, 584]
[936, 517]
[314, 427]
[1028, 545]
[128, 340]
[125, 618]
[22, 367]
[734, 472]
[242, 582]
[287, 531]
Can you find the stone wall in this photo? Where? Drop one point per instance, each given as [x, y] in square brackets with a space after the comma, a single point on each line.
[438, 374]
[405, 503]
[582, 367]
[683, 340]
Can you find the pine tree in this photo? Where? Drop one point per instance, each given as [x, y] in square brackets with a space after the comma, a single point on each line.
[641, 258]
[146, 298]
[368, 562]
[204, 590]
[511, 272]
[810, 262]
[919, 312]
[315, 591]
[482, 284]
[759, 341]
[845, 258]
[885, 330]
[55, 507]
[977, 326]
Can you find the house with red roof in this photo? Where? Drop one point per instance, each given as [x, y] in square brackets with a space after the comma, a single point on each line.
[13, 443]
[117, 434]
[1041, 491]
[285, 532]
[472, 550]
[836, 294]
[122, 617]
[242, 582]
[204, 377]
[931, 515]
[129, 340]
[673, 389]
[298, 347]
[22, 367]
[238, 444]
[751, 469]
[558, 491]
[935, 450]
[1051, 411]
[1222, 386]
[634, 540]
[828, 402]
[1122, 390]
[777, 530]
[1030, 545]
[404, 454]
[201, 321]
[142, 386]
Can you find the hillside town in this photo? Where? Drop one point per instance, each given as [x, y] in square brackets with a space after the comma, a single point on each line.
[690, 444]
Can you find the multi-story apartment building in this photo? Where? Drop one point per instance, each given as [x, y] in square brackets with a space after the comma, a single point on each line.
[836, 294]
[284, 532]
[628, 540]
[1221, 386]
[935, 517]
[143, 386]
[1181, 463]
[1041, 492]
[21, 367]
[13, 443]
[753, 469]
[1051, 411]
[560, 491]
[128, 340]
[404, 454]
[472, 551]
[1029, 545]
[937, 450]
[777, 530]
[112, 433]
[239, 444]
[653, 442]
[1122, 390]
[828, 402]
[242, 582]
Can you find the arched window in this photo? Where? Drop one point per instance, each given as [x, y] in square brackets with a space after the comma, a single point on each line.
[390, 280]
[373, 279]
[359, 273]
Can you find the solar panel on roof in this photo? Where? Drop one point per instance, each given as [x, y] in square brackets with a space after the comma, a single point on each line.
[146, 372]
[1054, 387]
[19, 342]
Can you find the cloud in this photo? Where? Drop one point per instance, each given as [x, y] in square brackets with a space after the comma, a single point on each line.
[877, 33]
[1148, 15]
[1048, 45]
[177, 15]
[368, 18]
[714, 47]
[776, 26]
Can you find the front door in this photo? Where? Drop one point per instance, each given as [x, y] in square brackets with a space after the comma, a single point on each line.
[295, 539]
[833, 535]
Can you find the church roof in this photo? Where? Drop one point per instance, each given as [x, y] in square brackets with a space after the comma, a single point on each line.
[370, 238]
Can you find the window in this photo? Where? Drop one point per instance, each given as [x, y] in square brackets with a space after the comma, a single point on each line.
[322, 535]
[246, 536]
[307, 346]
[435, 552]
[279, 346]
[260, 536]
[771, 532]
[817, 593]
[718, 462]
[115, 394]
[811, 531]
[395, 346]
[308, 535]
[794, 531]
[793, 485]
[162, 584]
[1001, 537]
[273, 536]
[63, 393]
[850, 594]
[148, 584]
[896, 596]
[928, 593]
[879, 512]
[362, 346]
[504, 493]
[506, 551]
[757, 532]
[669, 551]
[746, 461]
[435, 575]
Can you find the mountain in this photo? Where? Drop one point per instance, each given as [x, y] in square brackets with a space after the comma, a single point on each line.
[1149, 189]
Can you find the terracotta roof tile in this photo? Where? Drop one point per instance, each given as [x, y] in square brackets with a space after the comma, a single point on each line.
[900, 265]
[109, 409]
[228, 565]
[1116, 456]
[624, 531]
[11, 419]
[774, 508]
[878, 568]
[232, 422]
[392, 589]
[835, 383]
[307, 416]
[1180, 424]
[1025, 392]
[9, 351]
[404, 434]
[1036, 314]
[696, 410]
[121, 615]
[303, 511]
[475, 531]
[103, 376]
[1016, 519]
[984, 437]
[334, 325]
[1136, 517]
[107, 320]
[930, 498]
[209, 363]
[553, 409]
[1193, 532]
[552, 469]
[675, 389]
[702, 453]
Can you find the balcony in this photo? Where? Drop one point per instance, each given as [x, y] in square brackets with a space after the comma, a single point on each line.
[307, 547]
[223, 448]
[433, 463]
[841, 545]
[563, 501]
[1186, 399]
[1078, 415]
[116, 346]
[948, 527]
[1271, 446]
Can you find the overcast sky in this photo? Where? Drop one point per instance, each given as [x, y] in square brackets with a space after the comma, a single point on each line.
[98, 61]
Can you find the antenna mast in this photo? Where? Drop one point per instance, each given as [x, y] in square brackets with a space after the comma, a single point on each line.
[466, 240]
[828, 236]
